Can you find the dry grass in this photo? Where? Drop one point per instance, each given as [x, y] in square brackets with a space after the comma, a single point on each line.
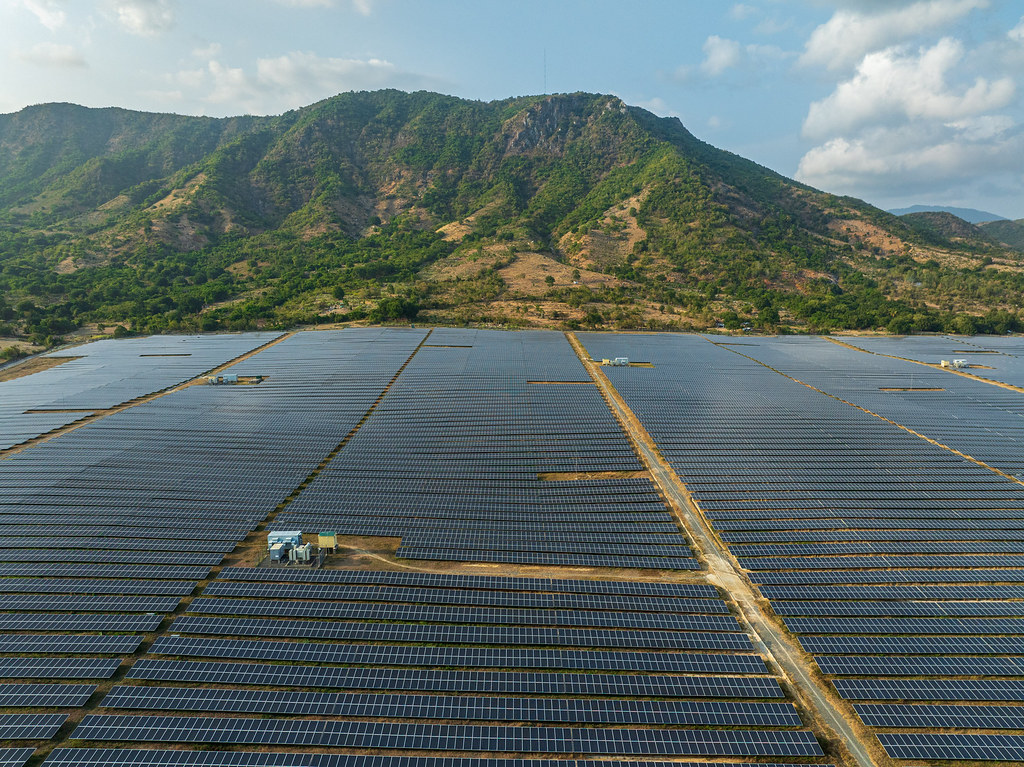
[527, 275]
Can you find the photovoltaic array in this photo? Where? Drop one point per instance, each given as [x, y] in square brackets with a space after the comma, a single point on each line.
[457, 460]
[106, 528]
[874, 501]
[891, 554]
[995, 358]
[102, 375]
[462, 664]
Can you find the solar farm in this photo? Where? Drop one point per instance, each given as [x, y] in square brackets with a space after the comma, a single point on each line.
[546, 550]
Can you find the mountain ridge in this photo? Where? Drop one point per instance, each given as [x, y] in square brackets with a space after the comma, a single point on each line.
[970, 215]
[552, 211]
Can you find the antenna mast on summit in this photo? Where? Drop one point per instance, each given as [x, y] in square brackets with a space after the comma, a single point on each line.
[545, 71]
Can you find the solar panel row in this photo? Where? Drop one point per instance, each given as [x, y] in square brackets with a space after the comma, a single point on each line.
[376, 735]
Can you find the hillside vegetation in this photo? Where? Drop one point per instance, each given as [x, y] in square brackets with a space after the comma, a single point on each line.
[1010, 233]
[561, 211]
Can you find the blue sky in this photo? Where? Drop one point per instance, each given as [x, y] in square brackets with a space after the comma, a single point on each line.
[897, 102]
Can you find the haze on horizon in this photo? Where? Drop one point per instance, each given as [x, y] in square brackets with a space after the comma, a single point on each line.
[899, 102]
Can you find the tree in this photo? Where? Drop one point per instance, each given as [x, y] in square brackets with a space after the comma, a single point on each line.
[390, 309]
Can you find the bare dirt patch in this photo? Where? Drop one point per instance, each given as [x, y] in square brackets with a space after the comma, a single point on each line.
[378, 553]
[464, 266]
[455, 231]
[869, 234]
[243, 269]
[529, 273]
[31, 366]
[571, 476]
[612, 241]
[178, 197]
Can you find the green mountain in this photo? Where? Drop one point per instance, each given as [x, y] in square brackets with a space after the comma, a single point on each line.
[554, 211]
[944, 229]
[1010, 233]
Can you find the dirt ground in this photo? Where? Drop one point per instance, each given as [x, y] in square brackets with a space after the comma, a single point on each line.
[30, 366]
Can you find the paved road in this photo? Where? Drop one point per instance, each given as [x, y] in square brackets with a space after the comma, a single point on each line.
[772, 642]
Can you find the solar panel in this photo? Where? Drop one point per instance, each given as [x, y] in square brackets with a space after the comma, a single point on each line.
[89, 603]
[465, 597]
[92, 757]
[958, 746]
[929, 666]
[478, 615]
[58, 668]
[15, 757]
[929, 645]
[455, 634]
[95, 586]
[489, 582]
[931, 689]
[905, 625]
[454, 681]
[446, 737]
[73, 643]
[62, 622]
[48, 695]
[941, 716]
[30, 726]
[562, 711]
[462, 657]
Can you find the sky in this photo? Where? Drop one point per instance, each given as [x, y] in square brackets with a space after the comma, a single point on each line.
[898, 102]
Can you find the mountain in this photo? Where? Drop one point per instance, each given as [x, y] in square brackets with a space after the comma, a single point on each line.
[945, 229]
[549, 211]
[970, 215]
[1011, 233]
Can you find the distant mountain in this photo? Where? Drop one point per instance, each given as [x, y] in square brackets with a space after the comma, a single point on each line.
[1008, 232]
[969, 215]
[943, 228]
[558, 211]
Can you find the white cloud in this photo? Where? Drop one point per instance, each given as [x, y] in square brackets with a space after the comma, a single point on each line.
[720, 54]
[659, 106]
[49, 12]
[52, 55]
[292, 80]
[850, 34]
[207, 52]
[230, 84]
[982, 128]
[935, 121]
[1017, 33]
[742, 11]
[911, 160]
[307, 71]
[145, 18]
[894, 85]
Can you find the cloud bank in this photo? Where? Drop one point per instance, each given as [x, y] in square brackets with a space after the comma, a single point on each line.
[905, 119]
[289, 81]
